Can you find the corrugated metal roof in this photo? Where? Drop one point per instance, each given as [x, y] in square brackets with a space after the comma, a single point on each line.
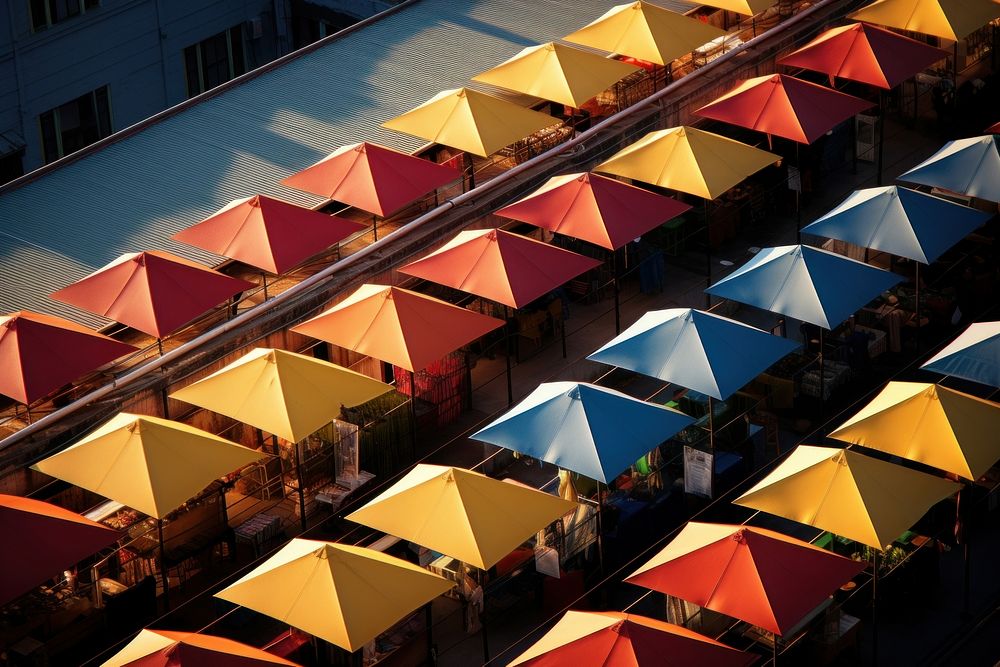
[133, 194]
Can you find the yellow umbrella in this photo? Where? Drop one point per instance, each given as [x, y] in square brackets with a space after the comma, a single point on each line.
[847, 493]
[162, 648]
[557, 72]
[923, 422]
[470, 121]
[150, 464]
[688, 160]
[949, 19]
[461, 513]
[747, 7]
[284, 393]
[346, 595]
[647, 32]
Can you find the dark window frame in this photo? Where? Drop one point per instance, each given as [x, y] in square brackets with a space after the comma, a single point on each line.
[76, 124]
[215, 60]
[43, 14]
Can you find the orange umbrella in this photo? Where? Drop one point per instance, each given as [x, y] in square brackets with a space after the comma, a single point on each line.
[614, 639]
[782, 105]
[373, 178]
[267, 233]
[601, 210]
[49, 538]
[165, 648]
[759, 576]
[865, 53]
[404, 328]
[39, 353]
[154, 292]
[500, 266]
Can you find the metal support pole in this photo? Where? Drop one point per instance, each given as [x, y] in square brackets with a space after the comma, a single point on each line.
[510, 383]
[708, 253]
[711, 425]
[600, 529]
[374, 228]
[774, 649]
[822, 374]
[413, 416]
[431, 653]
[616, 275]
[875, 608]
[916, 281]
[263, 281]
[159, 346]
[482, 623]
[472, 170]
[881, 136]
[302, 486]
[163, 566]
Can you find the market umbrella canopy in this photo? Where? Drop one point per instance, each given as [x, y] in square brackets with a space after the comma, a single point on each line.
[688, 160]
[584, 428]
[647, 32]
[756, 575]
[343, 594]
[937, 426]
[782, 105]
[150, 464]
[401, 327]
[558, 73]
[470, 121]
[154, 292]
[40, 353]
[597, 209]
[950, 19]
[371, 177]
[711, 354]
[847, 493]
[900, 222]
[967, 166]
[974, 355]
[461, 513]
[167, 648]
[290, 395]
[993, 129]
[747, 7]
[808, 284]
[614, 639]
[267, 233]
[865, 53]
[500, 266]
[44, 539]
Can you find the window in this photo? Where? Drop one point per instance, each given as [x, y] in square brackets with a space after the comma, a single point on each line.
[45, 13]
[214, 60]
[76, 124]
[11, 166]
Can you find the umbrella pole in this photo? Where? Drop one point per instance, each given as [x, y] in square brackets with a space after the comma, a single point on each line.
[916, 281]
[774, 649]
[616, 276]
[374, 228]
[711, 425]
[967, 574]
[413, 415]
[159, 346]
[430, 632]
[302, 486]
[163, 566]
[263, 280]
[708, 253]
[472, 170]
[881, 136]
[822, 375]
[875, 608]
[510, 385]
[600, 529]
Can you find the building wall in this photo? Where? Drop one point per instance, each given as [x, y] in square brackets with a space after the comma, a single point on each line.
[135, 47]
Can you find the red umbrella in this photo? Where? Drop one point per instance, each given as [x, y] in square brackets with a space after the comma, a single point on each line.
[154, 292]
[762, 577]
[267, 233]
[372, 177]
[601, 210]
[865, 53]
[784, 106]
[614, 639]
[993, 129]
[500, 266]
[48, 540]
[39, 353]
[401, 327]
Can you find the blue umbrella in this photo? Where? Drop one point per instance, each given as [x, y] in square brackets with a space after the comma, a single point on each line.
[805, 283]
[974, 355]
[581, 427]
[898, 221]
[967, 166]
[711, 354]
